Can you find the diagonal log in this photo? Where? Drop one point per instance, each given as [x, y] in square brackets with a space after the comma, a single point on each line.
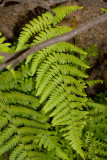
[14, 60]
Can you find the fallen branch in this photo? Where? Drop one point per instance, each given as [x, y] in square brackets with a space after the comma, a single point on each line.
[14, 60]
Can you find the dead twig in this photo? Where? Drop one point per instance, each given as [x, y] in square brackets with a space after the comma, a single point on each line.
[11, 59]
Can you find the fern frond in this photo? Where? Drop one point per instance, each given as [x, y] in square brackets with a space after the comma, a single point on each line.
[14, 141]
[74, 128]
[3, 121]
[56, 70]
[25, 69]
[43, 22]
[4, 47]
[51, 143]
[28, 139]
[59, 79]
[60, 59]
[93, 82]
[37, 155]
[23, 155]
[50, 33]
[96, 149]
[26, 85]
[104, 10]
[17, 151]
[63, 11]
[59, 47]
[8, 81]
[92, 51]
[98, 107]
[24, 113]
[21, 122]
[29, 123]
[6, 134]
[19, 98]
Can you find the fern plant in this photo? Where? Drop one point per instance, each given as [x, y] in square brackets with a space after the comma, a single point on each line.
[95, 135]
[44, 109]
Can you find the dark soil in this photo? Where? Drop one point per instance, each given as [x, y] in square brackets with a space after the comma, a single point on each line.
[96, 35]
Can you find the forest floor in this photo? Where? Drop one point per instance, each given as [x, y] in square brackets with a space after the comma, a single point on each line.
[96, 35]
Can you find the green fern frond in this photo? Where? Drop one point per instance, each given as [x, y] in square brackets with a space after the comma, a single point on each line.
[63, 11]
[36, 155]
[19, 98]
[3, 120]
[57, 70]
[57, 58]
[51, 143]
[8, 81]
[26, 85]
[92, 50]
[96, 130]
[101, 98]
[43, 22]
[6, 134]
[29, 123]
[50, 33]
[93, 82]
[21, 122]
[42, 55]
[14, 141]
[59, 79]
[104, 10]
[76, 123]
[24, 113]
[4, 47]
[98, 107]
[25, 69]
[17, 151]
[96, 149]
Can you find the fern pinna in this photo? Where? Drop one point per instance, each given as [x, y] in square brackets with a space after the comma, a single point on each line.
[44, 109]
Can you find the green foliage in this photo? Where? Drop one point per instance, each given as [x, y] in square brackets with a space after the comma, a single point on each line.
[93, 82]
[101, 98]
[104, 10]
[96, 133]
[92, 51]
[2, 158]
[4, 47]
[44, 110]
